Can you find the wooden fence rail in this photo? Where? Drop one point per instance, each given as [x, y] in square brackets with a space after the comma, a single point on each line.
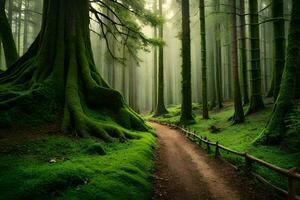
[290, 174]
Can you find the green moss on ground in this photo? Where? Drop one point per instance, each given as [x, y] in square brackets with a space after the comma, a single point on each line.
[61, 167]
[241, 137]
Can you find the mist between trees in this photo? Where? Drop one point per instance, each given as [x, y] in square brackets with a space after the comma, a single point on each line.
[136, 78]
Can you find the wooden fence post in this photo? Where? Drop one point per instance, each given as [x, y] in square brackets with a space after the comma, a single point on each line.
[200, 141]
[292, 185]
[195, 136]
[208, 147]
[217, 153]
[248, 165]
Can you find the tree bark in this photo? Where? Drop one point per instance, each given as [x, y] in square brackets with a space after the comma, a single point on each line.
[186, 90]
[243, 49]
[256, 100]
[26, 19]
[276, 128]
[19, 21]
[203, 59]
[279, 44]
[238, 105]
[161, 108]
[218, 58]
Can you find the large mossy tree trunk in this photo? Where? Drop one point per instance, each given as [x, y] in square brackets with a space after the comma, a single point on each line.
[279, 44]
[243, 52]
[238, 116]
[276, 128]
[186, 90]
[203, 59]
[9, 46]
[57, 80]
[161, 108]
[256, 100]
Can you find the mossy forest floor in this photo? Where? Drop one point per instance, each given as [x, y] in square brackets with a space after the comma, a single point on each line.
[39, 165]
[240, 138]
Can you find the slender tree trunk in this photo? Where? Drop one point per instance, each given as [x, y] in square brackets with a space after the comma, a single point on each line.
[186, 106]
[212, 75]
[19, 25]
[1, 54]
[238, 105]
[161, 109]
[256, 100]
[154, 98]
[10, 11]
[26, 19]
[203, 59]
[279, 44]
[229, 72]
[124, 90]
[37, 8]
[243, 49]
[271, 90]
[218, 58]
[276, 128]
[265, 78]
[9, 46]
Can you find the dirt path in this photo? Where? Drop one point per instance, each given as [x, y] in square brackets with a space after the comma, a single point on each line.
[185, 172]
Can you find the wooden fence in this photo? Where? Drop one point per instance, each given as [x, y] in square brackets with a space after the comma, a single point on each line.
[290, 174]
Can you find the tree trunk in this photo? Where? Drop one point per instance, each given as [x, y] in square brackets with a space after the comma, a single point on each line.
[243, 49]
[1, 62]
[238, 105]
[212, 75]
[26, 19]
[218, 57]
[154, 93]
[256, 100]
[186, 106]
[204, 61]
[19, 21]
[279, 44]
[57, 81]
[10, 50]
[161, 109]
[276, 128]
[10, 11]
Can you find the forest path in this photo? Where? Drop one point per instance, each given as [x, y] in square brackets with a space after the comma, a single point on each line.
[185, 172]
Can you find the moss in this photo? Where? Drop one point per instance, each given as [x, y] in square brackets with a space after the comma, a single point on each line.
[96, 149]
[124, 172]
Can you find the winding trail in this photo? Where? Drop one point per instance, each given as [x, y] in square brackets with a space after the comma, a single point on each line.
[185, 172]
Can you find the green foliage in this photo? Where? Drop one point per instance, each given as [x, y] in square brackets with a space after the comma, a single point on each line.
[58, 167]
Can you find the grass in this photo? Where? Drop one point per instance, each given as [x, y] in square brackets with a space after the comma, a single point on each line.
[51, 166]
[240, 138]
